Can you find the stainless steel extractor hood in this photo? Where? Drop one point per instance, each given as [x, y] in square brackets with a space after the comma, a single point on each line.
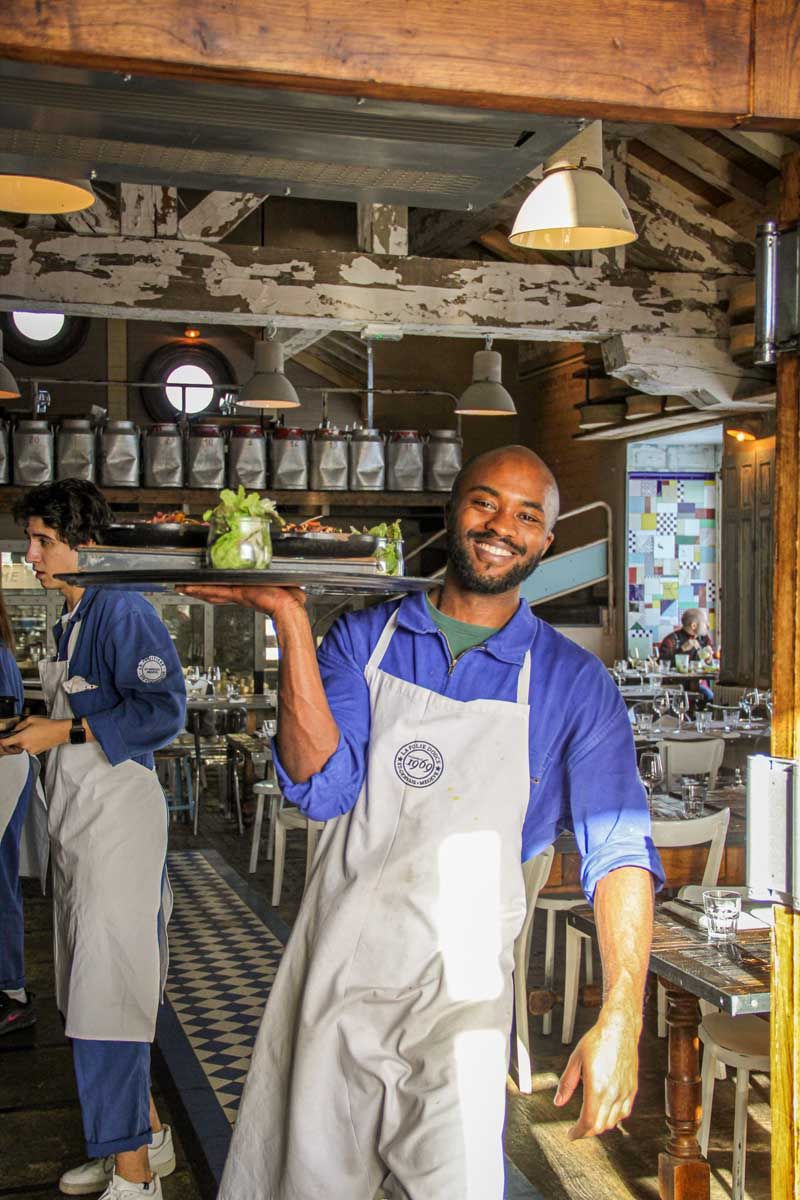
[212, 136]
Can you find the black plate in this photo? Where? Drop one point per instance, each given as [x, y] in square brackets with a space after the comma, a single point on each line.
[323, 545]
[142, 534]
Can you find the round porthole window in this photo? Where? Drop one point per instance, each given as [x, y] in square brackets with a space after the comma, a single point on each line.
[201, 372]
[42, 338]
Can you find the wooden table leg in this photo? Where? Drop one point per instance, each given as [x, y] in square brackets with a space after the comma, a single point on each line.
[683, 1174]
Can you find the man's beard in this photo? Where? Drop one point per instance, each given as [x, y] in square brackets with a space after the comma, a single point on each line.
[460, 563]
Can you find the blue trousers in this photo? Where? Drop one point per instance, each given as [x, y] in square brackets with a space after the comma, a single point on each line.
[12, 925]
[114, 1091]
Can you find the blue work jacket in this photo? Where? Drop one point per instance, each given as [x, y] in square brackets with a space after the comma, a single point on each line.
[136, 702]
[582, 758]
[11, 685]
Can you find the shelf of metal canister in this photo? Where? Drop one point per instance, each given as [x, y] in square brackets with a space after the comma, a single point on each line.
[312, 577]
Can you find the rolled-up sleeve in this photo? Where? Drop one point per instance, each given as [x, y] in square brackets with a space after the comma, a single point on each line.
[608, 806]
[335, 789]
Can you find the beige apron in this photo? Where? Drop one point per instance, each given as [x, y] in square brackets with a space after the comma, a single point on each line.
[111, 896]
[383, 1050]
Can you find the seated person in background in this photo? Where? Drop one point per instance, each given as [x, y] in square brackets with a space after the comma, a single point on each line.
[692, 637]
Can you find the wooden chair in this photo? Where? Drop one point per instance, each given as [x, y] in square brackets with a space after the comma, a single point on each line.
[711, 830]
[691, 758]
[742, 1043]
[535, 871]
[289, 817]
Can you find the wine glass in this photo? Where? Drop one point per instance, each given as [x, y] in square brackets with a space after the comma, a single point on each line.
[651, 772]
[679, 705]
[660, 705]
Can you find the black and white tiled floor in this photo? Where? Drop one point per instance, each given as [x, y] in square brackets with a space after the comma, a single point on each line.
[225, 947]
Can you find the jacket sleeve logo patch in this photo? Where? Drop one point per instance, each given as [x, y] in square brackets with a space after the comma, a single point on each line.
[152, 669]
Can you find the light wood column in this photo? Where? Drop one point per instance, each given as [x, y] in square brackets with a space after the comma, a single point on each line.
[786, 741]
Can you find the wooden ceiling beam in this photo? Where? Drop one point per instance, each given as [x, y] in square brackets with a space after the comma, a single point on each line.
[684, 62]
[171, 280]
[326, 371]
[691, 156]
[217, 215]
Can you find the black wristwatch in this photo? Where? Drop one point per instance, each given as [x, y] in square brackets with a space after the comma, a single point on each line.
[77, 734]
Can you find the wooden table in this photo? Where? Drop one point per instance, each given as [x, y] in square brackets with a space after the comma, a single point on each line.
[691, 968]
[245, 745]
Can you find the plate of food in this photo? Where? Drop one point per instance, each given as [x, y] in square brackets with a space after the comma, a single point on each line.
[164, 529]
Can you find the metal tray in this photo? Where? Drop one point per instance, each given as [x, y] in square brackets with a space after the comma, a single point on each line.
[321, 583]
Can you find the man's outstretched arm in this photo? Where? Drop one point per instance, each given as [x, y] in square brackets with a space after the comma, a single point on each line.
[606, 1058]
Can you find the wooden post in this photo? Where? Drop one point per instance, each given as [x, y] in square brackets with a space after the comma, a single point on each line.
[786, 741]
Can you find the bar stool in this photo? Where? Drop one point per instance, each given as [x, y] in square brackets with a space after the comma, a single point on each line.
[174, 769]
[264, 789]
[743, 1043]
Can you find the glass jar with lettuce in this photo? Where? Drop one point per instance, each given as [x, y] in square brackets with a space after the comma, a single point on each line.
[239, 530]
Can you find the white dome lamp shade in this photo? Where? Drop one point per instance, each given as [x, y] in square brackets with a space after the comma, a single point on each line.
[9, 388]
[268, 387]
[486, 396]
[574, 207]
[37, 194]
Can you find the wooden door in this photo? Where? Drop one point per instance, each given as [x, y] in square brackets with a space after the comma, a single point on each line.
[738, 563]
[763, 558]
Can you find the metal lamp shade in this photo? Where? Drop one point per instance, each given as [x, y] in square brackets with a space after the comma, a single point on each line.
[9, 388]
[573, 209]
[35, 194]
[269, 387]
[486, 396]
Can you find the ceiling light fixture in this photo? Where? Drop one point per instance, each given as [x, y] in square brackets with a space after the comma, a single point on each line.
[574, 207]
[486, 396]
[9, 388]
[36, 194]
[744, 431]
[268, 387]
[192, 333]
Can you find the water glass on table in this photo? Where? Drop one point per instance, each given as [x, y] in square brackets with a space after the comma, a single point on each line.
[730, 719]
[694, 794]
[702, 720]
[722, 909]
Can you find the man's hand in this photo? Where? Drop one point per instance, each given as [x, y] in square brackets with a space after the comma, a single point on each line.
[607, 1060]
[35, 734]
[274, 601]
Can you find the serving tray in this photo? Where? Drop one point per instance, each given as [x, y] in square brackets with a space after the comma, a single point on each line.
[320, 583]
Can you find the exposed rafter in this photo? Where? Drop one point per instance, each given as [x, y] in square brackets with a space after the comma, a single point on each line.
[102, 217]
[701, 370]
[217, 215]
[173, 280]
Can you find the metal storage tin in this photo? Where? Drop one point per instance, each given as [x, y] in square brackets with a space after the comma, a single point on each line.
[443, 458]
[120, 454]
[76, 450]
[206, 457]
[33, 453]
[288, 457]
[367, 460]
[404, 462]
[247, 457]
[163, 456]
[329, 460]
[5, 461]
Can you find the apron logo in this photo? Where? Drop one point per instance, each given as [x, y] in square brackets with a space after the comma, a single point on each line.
[152, 669]
[419, 764]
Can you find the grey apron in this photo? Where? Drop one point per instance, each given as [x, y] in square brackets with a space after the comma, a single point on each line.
[111, 896]
[383, 1051]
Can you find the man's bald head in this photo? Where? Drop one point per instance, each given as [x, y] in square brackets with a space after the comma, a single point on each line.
[530, 466]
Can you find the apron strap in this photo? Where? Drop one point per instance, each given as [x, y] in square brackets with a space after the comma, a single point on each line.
[524, 680]
[382, 644]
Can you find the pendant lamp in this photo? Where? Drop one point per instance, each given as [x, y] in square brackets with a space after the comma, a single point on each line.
[486, 396]
[268, 387]
[36, 194]
[574, 207]
[9, 388]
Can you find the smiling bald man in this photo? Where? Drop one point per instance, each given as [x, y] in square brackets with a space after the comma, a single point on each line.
[445, 740]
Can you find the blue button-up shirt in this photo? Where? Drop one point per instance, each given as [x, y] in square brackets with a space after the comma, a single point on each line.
[582, 758]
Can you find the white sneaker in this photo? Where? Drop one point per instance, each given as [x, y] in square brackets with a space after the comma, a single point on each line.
[96, 1174]
[123, 1189]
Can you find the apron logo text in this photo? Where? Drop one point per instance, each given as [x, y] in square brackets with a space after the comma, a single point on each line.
[419, 764]
[152, 669]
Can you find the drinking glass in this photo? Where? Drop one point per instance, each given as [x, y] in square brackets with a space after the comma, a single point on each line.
[722, 909]
[651, 771]
[694, 794]
[660, 705]
[702, 720]
[680, 705]
[643, 716]
[730, 719]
